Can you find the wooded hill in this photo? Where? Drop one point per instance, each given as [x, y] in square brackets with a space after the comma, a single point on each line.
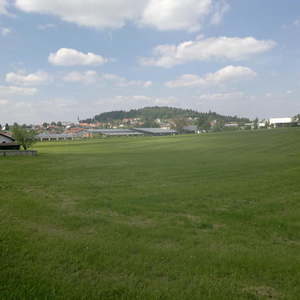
[163, 113]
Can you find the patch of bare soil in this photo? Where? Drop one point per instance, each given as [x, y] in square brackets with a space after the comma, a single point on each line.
[263, 292]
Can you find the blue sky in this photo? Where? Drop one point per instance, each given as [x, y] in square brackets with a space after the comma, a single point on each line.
[64, 59]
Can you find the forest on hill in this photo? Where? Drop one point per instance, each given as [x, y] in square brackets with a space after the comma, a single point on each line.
[163, 113]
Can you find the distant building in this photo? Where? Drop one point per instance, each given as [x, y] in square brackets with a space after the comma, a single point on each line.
[91, 125]
[114, 132]
[282, 122]
[74, 130]
[231, 125]
[7, 142]
[156, 131]
[191, 129]
[262, 124]
[45, 136]
[165, 125]
[5, 138]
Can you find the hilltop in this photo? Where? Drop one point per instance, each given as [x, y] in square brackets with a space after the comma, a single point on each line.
[163, 113]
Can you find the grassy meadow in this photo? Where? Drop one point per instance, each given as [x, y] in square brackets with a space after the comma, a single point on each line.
[215, 216]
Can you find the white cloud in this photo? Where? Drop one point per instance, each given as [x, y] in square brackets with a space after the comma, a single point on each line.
[72, 57]
[46, 26]
[33, 79]
[36, 111]
[220, 77]
[220, 49]
[165, 101]
[160, 14]
[66, 109]
[221, 96]
[123, 82]
[92, 13]
[170, 14]
[14, 90]
[131, 98]
[89, 77]
[221, 8]
[3, 102]
[296, 22]
[5, 31]
[86, 77]
[3, 6]
[147, 83]
[141, 101]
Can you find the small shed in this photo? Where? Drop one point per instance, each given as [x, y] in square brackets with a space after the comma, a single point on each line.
[7, 142]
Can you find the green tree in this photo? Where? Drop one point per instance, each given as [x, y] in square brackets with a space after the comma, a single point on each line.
[202, 119]
[26, 138]
[148, 123]
[205, 122]
[297, 118]
[255, 123]
[218, 125]
[179, 124]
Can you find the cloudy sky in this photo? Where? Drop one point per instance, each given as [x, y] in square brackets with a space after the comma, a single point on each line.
[64, 59]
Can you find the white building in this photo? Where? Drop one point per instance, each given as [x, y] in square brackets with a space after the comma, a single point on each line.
[262, 124]
[281, 122]
[5, 139]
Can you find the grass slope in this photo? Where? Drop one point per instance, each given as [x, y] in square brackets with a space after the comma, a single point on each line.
[215, 216]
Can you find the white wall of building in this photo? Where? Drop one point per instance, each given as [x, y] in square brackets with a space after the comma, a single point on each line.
[4, 139]
[274, 121]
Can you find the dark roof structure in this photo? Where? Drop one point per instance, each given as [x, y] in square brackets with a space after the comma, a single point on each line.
[115, 132]
[9, 146]
[58, 136]
[156, 131]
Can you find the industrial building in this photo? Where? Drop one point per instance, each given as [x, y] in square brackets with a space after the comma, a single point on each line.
[56, 136]
[156, 131]
[114, 132]
[283, 122]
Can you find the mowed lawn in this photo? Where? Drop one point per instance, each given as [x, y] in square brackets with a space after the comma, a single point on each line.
[214, 216]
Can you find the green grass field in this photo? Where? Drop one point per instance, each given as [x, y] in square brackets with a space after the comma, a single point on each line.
[215, 216]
